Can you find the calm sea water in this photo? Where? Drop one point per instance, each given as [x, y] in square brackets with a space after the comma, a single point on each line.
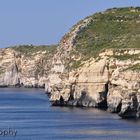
[28, 111]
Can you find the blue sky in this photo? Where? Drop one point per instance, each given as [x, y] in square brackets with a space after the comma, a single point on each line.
[46, 21]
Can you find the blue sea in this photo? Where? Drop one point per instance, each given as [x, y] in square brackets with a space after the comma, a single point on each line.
[29, 113]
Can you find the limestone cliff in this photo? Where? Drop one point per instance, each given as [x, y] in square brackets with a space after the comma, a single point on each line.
[24, 66]
[97, 64]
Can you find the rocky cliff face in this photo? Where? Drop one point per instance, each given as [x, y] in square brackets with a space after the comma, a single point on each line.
[97, 64]
[23, 69]
[61, 59]
[108, 83]
[124, 90]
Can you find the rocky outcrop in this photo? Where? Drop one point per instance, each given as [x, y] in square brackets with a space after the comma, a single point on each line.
[8, 68]
[110, 78]
[108, 83]
[123, 96]
[91, 84]
[22, 69]
[82, 89]
[61, 59]
[96, 64]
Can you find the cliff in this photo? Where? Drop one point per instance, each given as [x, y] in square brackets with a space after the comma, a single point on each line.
[97, 64]
[25, 66]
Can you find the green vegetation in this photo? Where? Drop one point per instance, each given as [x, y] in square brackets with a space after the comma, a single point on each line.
[1, 70]
[115, 28]
[134, 68]
[30, 49]
[75, 64]
[127, 56]
[40, 68]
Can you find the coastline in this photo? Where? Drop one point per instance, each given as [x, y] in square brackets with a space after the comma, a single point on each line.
[87, 68]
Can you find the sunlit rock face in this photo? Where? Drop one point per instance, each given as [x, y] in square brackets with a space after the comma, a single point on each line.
[96, 64]
[91, 84]
[108, 83]
[19, 69]
[108, 79]
[86, 87]
[123, 96]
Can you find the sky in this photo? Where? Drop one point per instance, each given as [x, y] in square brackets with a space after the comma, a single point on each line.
[44, 22]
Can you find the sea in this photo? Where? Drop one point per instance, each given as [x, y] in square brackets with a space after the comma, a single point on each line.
[26, 114]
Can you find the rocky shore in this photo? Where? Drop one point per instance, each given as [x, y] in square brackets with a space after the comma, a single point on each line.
[25, 66]
[105, 84]
[108, 77]
[96, 64]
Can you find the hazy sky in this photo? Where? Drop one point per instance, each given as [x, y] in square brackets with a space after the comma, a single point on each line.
[46, 21]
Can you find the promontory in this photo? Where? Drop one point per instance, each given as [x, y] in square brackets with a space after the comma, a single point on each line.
[96, 64]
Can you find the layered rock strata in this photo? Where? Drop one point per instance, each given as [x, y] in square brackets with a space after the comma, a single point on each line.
[96, 64]
[108, 80]
[19, 69]
[108, 83]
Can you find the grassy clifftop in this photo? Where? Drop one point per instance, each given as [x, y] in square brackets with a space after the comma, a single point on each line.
[114, 28]
[31, 49]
